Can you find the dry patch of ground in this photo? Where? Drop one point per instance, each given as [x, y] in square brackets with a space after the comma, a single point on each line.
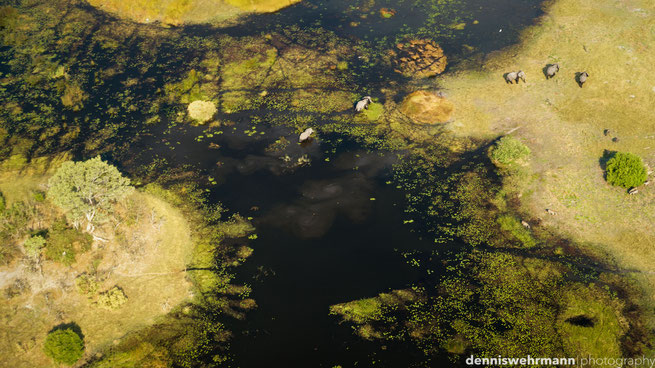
[564, 124]
[145, 255]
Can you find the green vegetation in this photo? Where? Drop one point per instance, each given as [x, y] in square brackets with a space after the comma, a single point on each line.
[87, 285]
[3, 205]
[33, 246]
[509, 150]
[513, 226]
[374, 111]
[87, 190]
[112, 299]
[626, 170]
[64, 346]
[63, 243]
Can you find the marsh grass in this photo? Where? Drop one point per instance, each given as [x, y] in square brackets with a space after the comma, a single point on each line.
[563, 124]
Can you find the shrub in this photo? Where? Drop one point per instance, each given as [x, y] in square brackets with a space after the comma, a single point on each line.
[508, 150]
[64, 346]
[112, 298]
[33, 246]
[201, 111]
[86, 285]
[625, 170]
[39, 196]
[63, 243]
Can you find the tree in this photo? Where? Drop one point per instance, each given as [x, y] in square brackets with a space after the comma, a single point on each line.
[33, 246]
[87, 190]
[626, 170]
[64, 346]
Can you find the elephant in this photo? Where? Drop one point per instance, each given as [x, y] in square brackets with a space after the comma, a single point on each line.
[305, 135]
[363, 103]
[520, 75]
[511, 77]
[551, 70]
[582, 78]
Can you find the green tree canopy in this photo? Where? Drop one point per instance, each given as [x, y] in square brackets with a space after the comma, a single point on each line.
[87, 190]
[33, 246]
[626, 170]
[64, 346]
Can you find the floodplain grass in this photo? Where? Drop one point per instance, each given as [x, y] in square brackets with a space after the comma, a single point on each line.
[176, 12]
[146, 258]
[565, 125]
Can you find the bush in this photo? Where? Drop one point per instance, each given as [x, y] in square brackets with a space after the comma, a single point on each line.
[86, 285]
[64, 346]
[625, 170]
[63, 243]
[508, 150]
[112, 299]
[33, 246]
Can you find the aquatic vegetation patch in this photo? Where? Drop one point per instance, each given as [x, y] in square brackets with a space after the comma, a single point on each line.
[426, 107]
[513, 226]
[419, 58]
[490, 303]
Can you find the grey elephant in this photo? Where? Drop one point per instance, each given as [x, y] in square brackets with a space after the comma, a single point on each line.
[582, 78]
[551, 70]
[520, 75]
[363, 103]
[305, 135]
[511, 77]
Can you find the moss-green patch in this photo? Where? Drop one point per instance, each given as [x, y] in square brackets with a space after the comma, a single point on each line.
[374, 111]
[591, 322]
[186, 90]
[512, 225]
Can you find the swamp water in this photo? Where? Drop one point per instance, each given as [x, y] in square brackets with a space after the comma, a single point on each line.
[330, 231]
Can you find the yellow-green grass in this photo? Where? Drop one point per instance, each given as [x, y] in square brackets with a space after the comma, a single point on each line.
[187, 11]
[563, 124]
[145, 256]
[600, 338]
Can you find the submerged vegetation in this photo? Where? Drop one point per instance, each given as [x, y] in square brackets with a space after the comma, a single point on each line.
[156, 256]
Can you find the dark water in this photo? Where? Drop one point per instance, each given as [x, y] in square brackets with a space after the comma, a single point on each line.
[328, 232]
[332, 231]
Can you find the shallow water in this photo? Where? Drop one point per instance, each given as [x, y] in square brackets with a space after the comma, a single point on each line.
[332, 231]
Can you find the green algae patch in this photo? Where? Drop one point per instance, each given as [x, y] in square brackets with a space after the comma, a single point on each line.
[374, 111]
[591, 323]
[426, 108]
